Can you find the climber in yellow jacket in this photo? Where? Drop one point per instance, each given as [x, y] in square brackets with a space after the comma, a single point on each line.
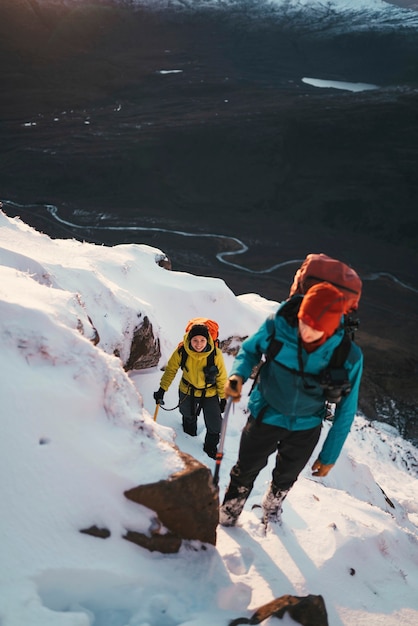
[201, 386]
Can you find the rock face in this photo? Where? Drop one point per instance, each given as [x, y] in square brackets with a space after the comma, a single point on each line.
[186, 509]
[145, 348]
[308, 610]
[186, 505]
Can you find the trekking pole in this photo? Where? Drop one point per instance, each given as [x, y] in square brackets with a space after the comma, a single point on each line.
[157, 406]
[220, 452]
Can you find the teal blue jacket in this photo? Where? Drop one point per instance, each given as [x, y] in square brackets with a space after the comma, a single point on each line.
[297, 408]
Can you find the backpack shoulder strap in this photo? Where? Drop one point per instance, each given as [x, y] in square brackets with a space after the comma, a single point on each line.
[183, 354]
[289, 310]
[210, 361]
[341, 352]
[334, 378]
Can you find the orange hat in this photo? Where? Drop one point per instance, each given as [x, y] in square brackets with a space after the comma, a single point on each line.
[322, 308]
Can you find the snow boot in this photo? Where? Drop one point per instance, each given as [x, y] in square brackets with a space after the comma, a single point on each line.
[233, 504]
[211, 444]
[211, 452]
[272, 505]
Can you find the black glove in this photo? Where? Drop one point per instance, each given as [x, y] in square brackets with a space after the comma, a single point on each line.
[159, 395]
[222, 404]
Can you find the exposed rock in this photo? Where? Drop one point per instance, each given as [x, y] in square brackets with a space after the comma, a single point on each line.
[95, 531]
[93, 332]
[231, 345]
[186, 505]
[163, 261]
[145, 348]
[309, 611]
[167, 543]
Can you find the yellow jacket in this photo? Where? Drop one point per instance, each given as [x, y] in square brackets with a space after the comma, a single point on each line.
[193, 374]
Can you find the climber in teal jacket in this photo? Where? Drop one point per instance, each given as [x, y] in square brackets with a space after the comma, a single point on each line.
[290, 398]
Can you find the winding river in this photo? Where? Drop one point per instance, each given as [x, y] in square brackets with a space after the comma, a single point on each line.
[222, 257]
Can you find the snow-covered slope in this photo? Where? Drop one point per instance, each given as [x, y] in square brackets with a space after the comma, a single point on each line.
[77, 431]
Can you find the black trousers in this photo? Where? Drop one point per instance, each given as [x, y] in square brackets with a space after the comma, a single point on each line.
[258, 442]
[211, 410]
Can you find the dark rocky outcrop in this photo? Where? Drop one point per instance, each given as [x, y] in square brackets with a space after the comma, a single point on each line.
[231, 345]
[186, 504]
[186, 510]
[308, 610]
[95, 531]
[145, 347]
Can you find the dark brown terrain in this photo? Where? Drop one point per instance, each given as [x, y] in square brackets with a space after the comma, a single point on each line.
[233, 144]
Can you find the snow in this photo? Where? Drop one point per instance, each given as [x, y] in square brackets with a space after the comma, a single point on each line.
[379, 11]
[337, 5]
[338, 84]
[77, 431]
